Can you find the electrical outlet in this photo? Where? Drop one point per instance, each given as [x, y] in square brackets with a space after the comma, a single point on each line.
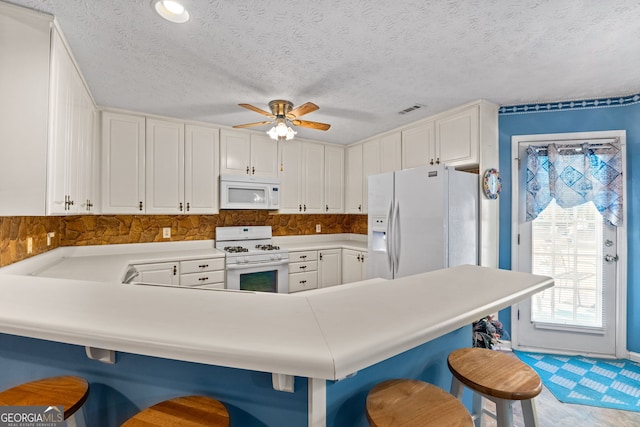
[166, 232]
[318, 228]
[50, 235]
[29, 245]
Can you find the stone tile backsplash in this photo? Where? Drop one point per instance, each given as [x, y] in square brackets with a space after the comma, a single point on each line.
[116, 229]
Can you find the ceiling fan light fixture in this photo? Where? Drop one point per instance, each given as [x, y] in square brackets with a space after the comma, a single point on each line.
[281, 130]
[172, 10]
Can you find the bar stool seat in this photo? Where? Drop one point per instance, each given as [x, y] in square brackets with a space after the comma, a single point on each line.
[70, 392]
[413, 403]
[186, 411]
[498, 377]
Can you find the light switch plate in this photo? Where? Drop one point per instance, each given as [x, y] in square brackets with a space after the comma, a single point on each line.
[166, 232]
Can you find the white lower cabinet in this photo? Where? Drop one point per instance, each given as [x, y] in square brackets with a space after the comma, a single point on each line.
[303, 270]
[161, 273]
[354, 265]
[329, 267]
[205, 273]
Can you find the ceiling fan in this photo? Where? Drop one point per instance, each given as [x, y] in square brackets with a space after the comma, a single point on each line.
[282, 114]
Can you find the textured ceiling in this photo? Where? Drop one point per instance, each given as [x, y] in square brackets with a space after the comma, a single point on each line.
[361, 61]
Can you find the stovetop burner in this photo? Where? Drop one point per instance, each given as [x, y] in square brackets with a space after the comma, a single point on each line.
[268, 247]
[235, 249]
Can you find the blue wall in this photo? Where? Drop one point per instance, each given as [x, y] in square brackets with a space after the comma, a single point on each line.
[134, 382]
[566, 118]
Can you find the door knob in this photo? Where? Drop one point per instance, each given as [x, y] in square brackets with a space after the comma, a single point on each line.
[611, 258]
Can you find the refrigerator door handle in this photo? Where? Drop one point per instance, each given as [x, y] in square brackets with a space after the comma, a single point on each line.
[397, 237]
[389, 237]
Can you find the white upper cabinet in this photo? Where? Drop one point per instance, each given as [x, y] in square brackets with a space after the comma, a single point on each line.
[353, 184]
[457, 137]
[451, 138]
[312, 183]
[290, 177]
[377, 155]
[391, 152]
[333, 179]
[201, 169]
[48, 121]
[156, 166]
[164, 153]
[71, 169]
[311, 177]
[242, 153]
[123, 168]
[418, 146]
[25, 43]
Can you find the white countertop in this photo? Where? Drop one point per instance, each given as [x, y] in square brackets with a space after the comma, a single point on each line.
[328, 333]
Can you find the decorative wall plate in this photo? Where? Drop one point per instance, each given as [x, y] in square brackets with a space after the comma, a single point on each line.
[491, 183]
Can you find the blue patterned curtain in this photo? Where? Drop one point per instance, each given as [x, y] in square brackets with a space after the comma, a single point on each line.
[573, 175]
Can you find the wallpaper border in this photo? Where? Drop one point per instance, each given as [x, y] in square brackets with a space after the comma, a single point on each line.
[543, 107]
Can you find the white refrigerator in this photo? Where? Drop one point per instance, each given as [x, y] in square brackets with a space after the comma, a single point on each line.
[420, 220]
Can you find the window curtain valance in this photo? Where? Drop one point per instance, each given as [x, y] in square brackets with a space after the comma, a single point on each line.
[574, 174]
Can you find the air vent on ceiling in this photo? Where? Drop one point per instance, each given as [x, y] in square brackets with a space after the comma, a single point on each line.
[410, 109]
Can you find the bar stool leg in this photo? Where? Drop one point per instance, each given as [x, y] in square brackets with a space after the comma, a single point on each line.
[477, 410]
[529, 413]
[77, 419]
[504, 412]
[456, 388]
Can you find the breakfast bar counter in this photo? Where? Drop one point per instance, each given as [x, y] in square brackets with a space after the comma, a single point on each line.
[324, 339]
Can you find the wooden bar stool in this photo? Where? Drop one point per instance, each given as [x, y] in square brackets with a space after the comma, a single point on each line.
[186, 411]
[413, 403]
[498, 377]
[70, 392]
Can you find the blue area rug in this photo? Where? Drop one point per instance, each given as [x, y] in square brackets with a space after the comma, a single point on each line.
[588, 381]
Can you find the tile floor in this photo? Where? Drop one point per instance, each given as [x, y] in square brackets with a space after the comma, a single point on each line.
[553, 413]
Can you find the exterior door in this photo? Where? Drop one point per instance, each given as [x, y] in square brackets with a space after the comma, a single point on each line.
[582, 313]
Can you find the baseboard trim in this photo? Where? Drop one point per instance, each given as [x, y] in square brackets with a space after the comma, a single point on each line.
[635, 357]
[504, 345]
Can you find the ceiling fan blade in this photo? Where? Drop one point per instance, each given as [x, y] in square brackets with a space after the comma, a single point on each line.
[248, 125]
[301, 110]
[312, 125]
[257, 110]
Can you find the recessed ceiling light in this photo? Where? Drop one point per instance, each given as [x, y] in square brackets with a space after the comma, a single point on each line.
[172, 11]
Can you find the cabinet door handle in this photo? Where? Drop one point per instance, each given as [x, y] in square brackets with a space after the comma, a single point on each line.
[431, 161]
[302, 282]
[203, 266]
[360, 208]
[299, 208]
[247, 170]
[140, 206]
[302, 267]
[438, 161]
[202, 279]
[175, 270]
[188, 207]
[326, 208]
[253, 170]
[320, 256]
[305, 207]
[303, 257]
[180, 207]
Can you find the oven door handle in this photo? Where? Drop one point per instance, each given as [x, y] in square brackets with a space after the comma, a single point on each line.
[257, 264]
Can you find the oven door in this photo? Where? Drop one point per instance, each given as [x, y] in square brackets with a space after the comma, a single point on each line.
[265, 277]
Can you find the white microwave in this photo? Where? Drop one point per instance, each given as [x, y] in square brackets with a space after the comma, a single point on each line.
[249, 192]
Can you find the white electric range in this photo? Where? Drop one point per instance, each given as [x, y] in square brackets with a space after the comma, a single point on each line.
[253, 263]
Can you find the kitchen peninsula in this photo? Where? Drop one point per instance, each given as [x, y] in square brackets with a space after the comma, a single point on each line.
[327, 346]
